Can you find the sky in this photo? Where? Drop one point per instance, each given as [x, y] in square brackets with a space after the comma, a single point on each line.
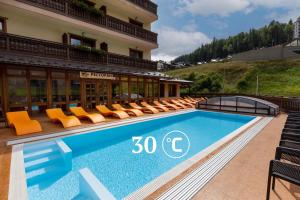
[184, 25]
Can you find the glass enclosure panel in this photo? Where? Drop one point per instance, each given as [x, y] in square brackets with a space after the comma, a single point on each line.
[74, 90]
[1, 97]
[17, 91]
[58, 90]
[38, 88]
[162, 90]
[156, 89]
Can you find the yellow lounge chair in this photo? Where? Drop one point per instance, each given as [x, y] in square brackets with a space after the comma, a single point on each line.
[133, 112]
[82, 114]
[180, 105]
[147, 105]
[146, 109]
[107, 112]
[189, 105]
[161, 107]
[22, 123]
[57, 115]
[169, 105]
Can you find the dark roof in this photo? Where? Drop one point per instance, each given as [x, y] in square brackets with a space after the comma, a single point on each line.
[29, 60]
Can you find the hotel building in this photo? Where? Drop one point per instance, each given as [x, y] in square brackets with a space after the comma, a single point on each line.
[297, 29]
[62, 53]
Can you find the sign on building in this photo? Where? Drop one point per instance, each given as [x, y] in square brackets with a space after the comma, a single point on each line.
[94, 75]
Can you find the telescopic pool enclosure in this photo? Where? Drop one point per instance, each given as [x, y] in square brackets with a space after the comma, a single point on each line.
[241, 104]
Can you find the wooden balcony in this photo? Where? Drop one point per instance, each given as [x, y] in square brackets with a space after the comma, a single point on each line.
[146, 4]
[35, 47]
[65, 7]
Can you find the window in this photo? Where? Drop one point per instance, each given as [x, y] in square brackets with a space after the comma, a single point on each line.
[149, 88]
[1, 96]
[58, 87]
[135, 22]
[134, 88]
[141, 88]
[17, 91]
[135, 54]
[74, 95]
[156, 89]
[124, 90]
[172, 90]
[38, 86]
[162, 90]
[103, 9]
[76, 40]
[115, 89]
[104, 46]
[2, 24]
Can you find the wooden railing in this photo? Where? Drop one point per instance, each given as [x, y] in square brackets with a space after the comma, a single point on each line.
[65, 7]
[146, 4]
[36, 47]
[285, 103]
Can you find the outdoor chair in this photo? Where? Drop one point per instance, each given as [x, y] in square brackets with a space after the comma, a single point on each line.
[82, 114]
[133, 112]
[109, 113]
[57, 115]
[145, 109]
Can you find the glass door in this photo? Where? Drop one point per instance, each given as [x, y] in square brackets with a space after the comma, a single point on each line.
[90, 95]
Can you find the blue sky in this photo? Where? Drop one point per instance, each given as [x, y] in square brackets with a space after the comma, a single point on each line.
[184, 25]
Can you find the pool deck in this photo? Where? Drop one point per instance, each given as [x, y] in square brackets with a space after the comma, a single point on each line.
[245, 177]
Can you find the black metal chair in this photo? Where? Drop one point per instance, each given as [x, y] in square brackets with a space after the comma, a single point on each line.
[283, 170]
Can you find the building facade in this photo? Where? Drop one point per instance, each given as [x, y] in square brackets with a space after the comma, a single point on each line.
[297, 29]
[62, 53]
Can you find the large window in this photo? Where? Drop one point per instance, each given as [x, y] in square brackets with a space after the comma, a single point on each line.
[141, 88]
[17, 89]
[58, 88]
[74, 95]
[115, 89]
[156, 89]
[172, 90]
[38, 86]
[1, 95]
[134, 88]
[124, 89]
[162, 90]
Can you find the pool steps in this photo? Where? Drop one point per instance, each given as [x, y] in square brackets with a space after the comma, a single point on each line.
[91, 187]
[45, 160]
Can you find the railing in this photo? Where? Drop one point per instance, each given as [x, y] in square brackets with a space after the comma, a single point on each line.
[284, 103]
[20, 44]
[146, 4]
[65, 7]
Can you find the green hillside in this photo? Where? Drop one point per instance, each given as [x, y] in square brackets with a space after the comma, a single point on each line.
[279, 78]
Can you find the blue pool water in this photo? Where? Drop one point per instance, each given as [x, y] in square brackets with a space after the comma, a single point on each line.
[108, 153]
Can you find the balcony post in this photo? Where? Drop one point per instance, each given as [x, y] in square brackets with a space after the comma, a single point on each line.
[7, 43]
[66, 7]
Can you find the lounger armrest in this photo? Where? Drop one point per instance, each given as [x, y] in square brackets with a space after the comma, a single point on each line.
[292, 155]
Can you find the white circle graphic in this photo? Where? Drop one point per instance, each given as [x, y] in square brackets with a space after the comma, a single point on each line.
[167, 140]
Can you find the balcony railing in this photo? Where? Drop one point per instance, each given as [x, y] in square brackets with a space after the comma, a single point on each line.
[146, 4]
[65, 7]
[42, 48]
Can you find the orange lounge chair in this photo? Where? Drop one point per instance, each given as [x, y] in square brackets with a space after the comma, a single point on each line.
[147, 105]
[107, 112]
[82, 114]
[180, 105]
[161, 107]
[57, 115]
[186, 103]
[22, 123]
[189, 101]
[169, 105]
[133, 112]
[146, 109]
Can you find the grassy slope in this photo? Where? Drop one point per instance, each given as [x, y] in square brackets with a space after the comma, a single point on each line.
[280, 78]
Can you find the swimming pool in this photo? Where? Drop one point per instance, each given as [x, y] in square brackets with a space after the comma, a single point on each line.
[108, 154]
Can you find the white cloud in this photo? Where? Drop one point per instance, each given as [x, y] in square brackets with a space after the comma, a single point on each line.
[224, 8]
[173, 43]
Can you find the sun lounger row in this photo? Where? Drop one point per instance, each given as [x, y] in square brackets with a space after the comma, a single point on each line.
[286, 165]
[22, 123]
